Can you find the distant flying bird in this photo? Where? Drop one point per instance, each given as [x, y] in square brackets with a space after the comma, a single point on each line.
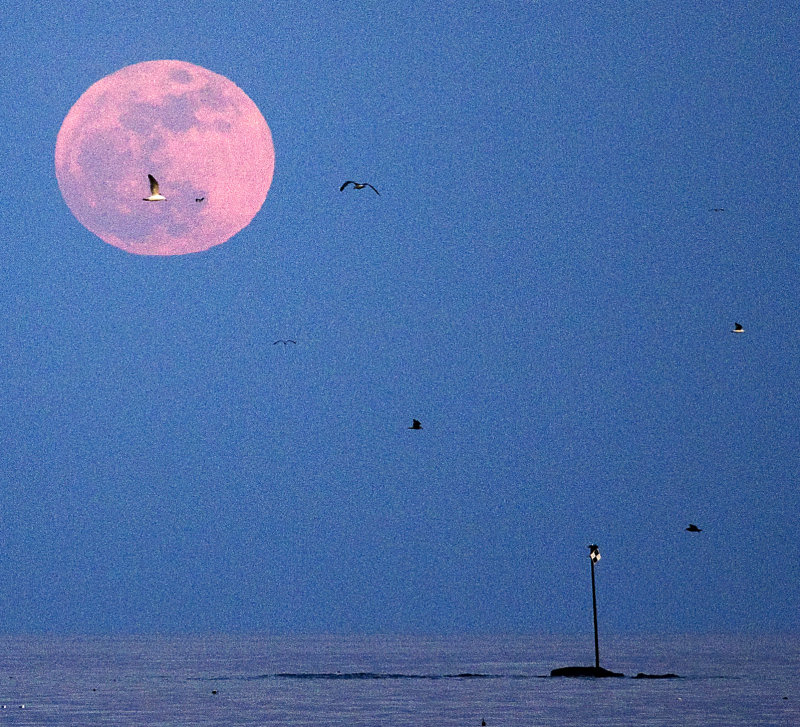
[717, 209]
[693, 528]
[415, 424]
[154, 195]
[284, 341]
[737, 328]
[358, 185]
[199, 199]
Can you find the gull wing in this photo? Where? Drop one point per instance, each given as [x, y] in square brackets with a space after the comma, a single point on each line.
[373, 189]
[153, 184]
[341, 189]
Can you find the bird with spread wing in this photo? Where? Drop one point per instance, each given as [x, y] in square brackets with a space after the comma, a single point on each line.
[359, 185]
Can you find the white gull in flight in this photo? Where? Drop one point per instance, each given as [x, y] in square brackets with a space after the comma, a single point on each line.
[154, 195]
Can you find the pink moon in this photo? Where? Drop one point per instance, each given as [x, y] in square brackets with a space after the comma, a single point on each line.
[196, 132]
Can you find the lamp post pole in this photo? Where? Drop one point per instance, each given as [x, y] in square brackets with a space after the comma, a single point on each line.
[596, 670]
[594, 556]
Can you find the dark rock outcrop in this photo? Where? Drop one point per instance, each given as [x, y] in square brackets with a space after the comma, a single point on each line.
[584, 671]
[642, 675]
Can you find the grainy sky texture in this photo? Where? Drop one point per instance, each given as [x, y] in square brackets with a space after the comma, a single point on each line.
[541, 283]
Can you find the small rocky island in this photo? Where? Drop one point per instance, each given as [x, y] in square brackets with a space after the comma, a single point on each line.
[584, 671]
[642, 675]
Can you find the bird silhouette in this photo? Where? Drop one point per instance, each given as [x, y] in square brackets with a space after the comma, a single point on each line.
[284, 341]
[693, 528]
[717, 209]
[199, 199]
[359, 185]
[737, 328]
[415, 424]
[154, 194]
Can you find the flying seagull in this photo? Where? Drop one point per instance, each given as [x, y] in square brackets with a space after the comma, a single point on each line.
[284, 341]
[358, 185]
[154, 195]
[199, 199]
[693, 528]
[737, 328]
[717, 209]
[415, 424]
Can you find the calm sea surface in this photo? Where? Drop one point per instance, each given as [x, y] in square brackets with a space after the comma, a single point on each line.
[373, 681]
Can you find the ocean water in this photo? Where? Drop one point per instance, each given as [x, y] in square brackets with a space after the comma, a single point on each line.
[404, 681]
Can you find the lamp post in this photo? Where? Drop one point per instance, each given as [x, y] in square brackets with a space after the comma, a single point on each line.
[596, 670]
[594, 556]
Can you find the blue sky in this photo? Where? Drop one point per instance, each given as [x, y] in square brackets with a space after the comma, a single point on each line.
[540, 282]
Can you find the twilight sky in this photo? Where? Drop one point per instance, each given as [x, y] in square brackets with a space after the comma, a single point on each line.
[541, 283]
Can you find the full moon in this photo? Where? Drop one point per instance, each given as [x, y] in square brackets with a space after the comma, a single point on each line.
[197, 133]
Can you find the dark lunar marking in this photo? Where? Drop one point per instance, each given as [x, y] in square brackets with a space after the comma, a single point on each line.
[207, 97]
[153, 142]
[177, 113]
[141, 118]
[179, 75]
